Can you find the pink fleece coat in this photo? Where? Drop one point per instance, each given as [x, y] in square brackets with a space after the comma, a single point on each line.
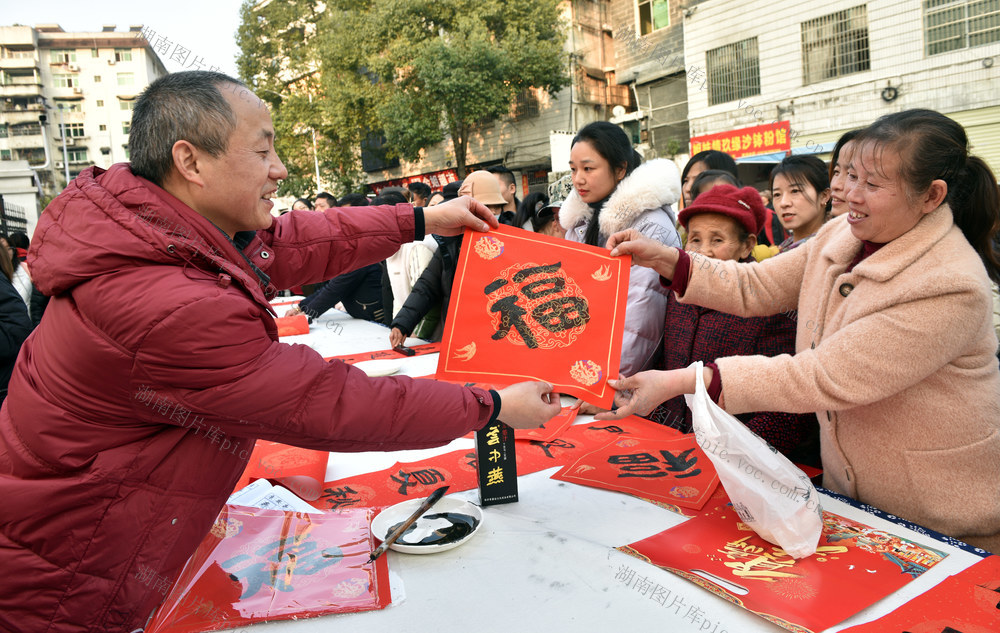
[897, 359]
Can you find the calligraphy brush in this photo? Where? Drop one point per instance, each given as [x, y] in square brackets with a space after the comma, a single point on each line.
[395, 534]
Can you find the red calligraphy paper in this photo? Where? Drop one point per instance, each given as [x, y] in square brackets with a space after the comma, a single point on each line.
[293, 325]
[854, 566]
[412, 480]
[551, 429]
[714, 502]
[598, 433]
[536, 455]
[526, 306]
[548, 431]
[579, 439]
[967, 602]
[301, 470]
[468, 383]
[258, 565]
[456, 469]
[367, 490]
[418, 350]
[674, 470]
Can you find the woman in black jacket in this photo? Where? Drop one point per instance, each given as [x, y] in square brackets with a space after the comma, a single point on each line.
[14, 324]
[434, 286]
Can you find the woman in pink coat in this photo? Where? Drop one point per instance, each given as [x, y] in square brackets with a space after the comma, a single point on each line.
[895, 349]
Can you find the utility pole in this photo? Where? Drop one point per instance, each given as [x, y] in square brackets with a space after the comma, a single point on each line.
[62, 127]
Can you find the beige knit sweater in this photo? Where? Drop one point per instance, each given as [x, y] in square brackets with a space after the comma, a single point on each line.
[897, 358]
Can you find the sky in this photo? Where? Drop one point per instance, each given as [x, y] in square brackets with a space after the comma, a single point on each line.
[206, 27]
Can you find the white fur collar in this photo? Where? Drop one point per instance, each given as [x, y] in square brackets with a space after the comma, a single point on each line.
[651, 185]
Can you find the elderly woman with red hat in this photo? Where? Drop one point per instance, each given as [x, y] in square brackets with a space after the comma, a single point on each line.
[723, 223]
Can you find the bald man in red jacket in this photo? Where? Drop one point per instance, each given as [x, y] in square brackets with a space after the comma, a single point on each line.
[134, 406]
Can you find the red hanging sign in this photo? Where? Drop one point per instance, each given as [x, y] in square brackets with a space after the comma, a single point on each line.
[526, 306]
[749, 141]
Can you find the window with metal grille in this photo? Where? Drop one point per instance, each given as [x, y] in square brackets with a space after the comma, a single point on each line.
[77, 155]
[733, 71]
[26, 129]
[525, 105]
[835, 45]
[953, 24]
[653, 15]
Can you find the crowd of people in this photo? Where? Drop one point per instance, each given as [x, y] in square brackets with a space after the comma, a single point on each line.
[846, 313]
[817, 276]
[611, 191]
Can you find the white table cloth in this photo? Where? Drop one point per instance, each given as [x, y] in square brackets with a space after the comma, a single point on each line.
[548, 563]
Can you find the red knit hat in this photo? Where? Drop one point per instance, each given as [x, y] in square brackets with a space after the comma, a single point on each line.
[743, 205]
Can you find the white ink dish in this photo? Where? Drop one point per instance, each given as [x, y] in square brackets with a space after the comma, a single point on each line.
[380, 367]
[449, 523]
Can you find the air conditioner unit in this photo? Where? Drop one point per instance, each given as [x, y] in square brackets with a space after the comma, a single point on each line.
[77, 90]
[73, 68]
[111, 62]
[59, 164]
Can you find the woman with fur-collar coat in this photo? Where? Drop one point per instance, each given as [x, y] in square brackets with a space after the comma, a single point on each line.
[641, 201]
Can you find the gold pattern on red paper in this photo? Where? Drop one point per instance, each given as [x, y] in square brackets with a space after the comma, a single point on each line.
[488, 247]
[602, 274]
[465, 353]
[585, 372]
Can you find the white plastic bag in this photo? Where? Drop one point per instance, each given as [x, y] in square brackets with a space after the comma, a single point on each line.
[769, 493]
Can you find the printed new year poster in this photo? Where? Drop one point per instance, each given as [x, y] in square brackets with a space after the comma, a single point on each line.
[854, 566]
[257, 565]
[526, 306]
[671, 470]
[967, 602]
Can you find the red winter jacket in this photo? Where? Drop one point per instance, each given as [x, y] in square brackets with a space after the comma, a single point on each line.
[134, 406]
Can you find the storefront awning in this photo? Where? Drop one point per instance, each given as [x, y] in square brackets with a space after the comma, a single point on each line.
[775, 157]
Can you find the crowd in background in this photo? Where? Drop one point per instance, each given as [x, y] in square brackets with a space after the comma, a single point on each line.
[703, 211]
